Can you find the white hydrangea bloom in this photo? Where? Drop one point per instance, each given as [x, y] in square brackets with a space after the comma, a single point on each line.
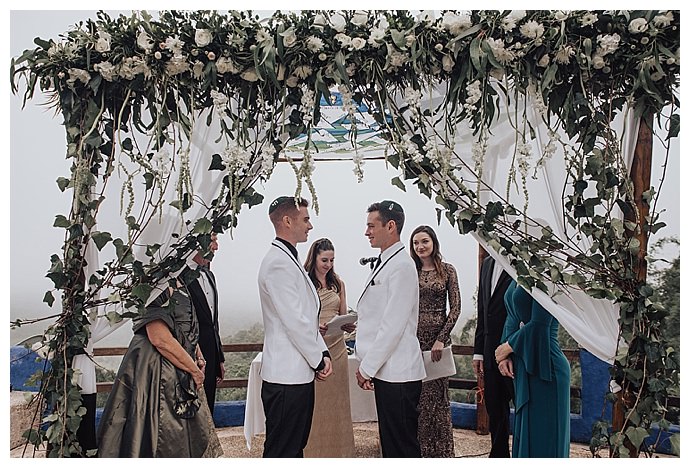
[503, 55]
[133, 66]
[174, 45]
[77, 74]
[107, 70]
[455, 24]
[176, 65]
[160, 161]
[607, 43]
[226, 65]
[532, 29]
[662, 21]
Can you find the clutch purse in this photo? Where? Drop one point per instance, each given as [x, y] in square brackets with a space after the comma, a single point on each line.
[443, 368]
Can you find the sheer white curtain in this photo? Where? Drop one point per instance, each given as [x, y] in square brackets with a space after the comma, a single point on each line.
[593, 323]
[160, 229]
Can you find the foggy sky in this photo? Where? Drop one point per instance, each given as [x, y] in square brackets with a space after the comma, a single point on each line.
[37, 159]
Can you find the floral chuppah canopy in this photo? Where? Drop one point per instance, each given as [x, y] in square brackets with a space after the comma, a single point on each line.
[135, 91]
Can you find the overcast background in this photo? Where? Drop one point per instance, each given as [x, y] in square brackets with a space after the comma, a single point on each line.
[37, 159]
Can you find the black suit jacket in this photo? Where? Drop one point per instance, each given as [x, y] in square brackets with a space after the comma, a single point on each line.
[491, 312]
[207, 315]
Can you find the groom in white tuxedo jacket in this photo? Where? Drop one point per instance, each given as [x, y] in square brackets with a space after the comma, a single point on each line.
[294, 352]
[387, 345]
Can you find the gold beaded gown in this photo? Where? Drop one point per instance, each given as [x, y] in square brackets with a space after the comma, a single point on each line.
[435, 431]
[331, 433]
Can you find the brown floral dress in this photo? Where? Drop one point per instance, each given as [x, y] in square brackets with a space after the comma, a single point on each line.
[435, 431]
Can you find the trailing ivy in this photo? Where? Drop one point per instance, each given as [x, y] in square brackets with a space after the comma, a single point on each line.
[133, 89]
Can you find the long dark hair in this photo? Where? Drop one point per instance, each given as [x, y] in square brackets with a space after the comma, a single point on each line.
[332, 281]
[435, 254]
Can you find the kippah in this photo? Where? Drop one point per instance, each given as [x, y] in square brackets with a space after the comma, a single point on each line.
[279, 201]
[390, 205]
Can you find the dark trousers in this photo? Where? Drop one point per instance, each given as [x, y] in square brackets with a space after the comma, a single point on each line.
[210, 378]
[288, 410]
[397, 406]
[498, 391]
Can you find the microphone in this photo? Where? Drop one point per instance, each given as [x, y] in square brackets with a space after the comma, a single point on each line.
[371, 260]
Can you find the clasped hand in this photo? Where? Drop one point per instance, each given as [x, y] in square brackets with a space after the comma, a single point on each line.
[327, 370]
[364, 384]
[502, 352]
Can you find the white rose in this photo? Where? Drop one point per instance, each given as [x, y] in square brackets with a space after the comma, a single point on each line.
[360, 18]
[358, 43]
[319, 21]
[203, 37]
[103, 42]
[249, 75]
[102, 45]
[543, 61]
[289, 37]
[144, 41]
[376, 37]
[448, 63]
[598, 62]
[344, 39]
[638, 25]
[338, 22]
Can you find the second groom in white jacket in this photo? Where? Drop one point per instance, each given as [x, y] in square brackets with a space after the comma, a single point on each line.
[387, 345]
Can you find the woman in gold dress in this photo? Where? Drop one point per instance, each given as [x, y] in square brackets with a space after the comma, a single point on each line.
[331, 433]
[438, 286]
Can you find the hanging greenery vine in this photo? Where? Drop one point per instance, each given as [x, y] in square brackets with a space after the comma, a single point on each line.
[133, 89]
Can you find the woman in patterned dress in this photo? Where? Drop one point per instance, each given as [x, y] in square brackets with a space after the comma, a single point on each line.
[331, 433]
[438, 285]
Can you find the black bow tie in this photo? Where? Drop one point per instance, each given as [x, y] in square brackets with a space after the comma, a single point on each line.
[378, 262]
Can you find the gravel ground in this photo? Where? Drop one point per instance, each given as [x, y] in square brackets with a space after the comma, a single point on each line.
[468, 444]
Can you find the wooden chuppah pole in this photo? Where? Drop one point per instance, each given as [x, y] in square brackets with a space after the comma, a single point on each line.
[640, 175]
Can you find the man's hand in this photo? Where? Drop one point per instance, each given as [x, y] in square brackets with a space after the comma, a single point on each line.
[323, 329]
[364, 384]
[221, 367]
[349, 327]
[327, 370]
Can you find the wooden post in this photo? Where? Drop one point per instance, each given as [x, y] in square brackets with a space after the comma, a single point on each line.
[482, 415]
[640, 174]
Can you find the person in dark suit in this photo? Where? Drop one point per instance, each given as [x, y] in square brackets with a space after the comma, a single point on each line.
[498, 390]
[204, 296]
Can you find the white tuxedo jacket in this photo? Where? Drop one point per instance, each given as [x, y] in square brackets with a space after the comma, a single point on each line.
[293, 346]
[387, 316]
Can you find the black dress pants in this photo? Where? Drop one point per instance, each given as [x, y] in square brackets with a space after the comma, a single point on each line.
[498, 391]
[288, 410]
[86, 433]
[210, 374]
[397, 406]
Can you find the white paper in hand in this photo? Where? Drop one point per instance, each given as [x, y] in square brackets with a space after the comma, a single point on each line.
[443, 368]
[338, 321]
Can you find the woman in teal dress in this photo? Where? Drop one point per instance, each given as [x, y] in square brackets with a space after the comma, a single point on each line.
[531, 355]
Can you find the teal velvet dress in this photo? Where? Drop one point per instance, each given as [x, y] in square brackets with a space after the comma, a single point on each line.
[542, 379]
